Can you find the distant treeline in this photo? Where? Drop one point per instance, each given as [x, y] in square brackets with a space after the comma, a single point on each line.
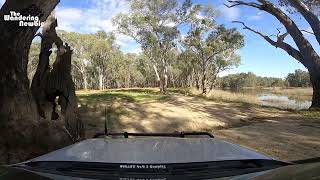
[238, 81]
[98, 63]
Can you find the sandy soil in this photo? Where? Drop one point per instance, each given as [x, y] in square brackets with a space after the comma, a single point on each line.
[280, 134]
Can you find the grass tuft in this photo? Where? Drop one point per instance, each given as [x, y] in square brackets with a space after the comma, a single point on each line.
[312, 114]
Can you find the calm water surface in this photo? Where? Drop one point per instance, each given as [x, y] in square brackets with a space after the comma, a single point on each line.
[268, 98]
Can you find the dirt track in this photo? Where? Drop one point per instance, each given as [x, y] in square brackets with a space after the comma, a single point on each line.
[279, 134]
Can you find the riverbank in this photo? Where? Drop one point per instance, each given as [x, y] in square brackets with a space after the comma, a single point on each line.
[282, 98]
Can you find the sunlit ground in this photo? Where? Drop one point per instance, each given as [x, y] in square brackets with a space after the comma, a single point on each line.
[287, 135]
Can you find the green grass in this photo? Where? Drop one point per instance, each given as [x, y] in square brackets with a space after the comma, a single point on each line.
[129, 95]
[312, 114]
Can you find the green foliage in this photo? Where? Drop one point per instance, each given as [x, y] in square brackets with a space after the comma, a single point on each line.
[299, 78]
[132, 95]
[191, 60]
[241, 80]
[313, 5]
[238, 81]
[153, 24]
[210, 48]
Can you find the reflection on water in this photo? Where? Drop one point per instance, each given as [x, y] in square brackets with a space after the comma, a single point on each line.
[283, 102]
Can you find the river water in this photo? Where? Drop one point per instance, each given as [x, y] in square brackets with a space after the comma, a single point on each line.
[283, 101]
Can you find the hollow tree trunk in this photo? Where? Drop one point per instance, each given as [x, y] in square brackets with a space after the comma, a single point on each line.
[48, 85]
[18, 114]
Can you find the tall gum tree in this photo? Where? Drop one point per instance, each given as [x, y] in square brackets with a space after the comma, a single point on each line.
[211, 48]
[305, 52]
[154, 25]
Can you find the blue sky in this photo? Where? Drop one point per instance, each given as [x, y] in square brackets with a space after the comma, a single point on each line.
[88, 16]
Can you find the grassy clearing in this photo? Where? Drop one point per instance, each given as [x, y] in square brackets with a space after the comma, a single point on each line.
[129, 95]
[152, 94]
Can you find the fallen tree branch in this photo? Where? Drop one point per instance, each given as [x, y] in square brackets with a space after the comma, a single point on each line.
[68, 133]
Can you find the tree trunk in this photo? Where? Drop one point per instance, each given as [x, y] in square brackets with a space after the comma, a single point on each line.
[305, 54]
[204, 83]
[19, 120]
[213, 80]
[197, 82]
[84, 77]
[85, 82]
[165, 79]
[161, 84]
[100, 82]
[315, 81]
[310, 59]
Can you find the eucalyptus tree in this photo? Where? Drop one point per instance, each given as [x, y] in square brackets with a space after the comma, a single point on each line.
[302, 50]
[130, 73]
[154, 25]
[81, 45]
[103, 51]
[299, 78]
[145, 67]
[187, 64]
[212, 47]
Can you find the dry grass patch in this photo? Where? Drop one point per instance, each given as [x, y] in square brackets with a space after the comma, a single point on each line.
[225, 96]
[293, 91]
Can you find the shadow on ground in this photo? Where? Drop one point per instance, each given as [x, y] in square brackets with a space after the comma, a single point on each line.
[277, 133]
